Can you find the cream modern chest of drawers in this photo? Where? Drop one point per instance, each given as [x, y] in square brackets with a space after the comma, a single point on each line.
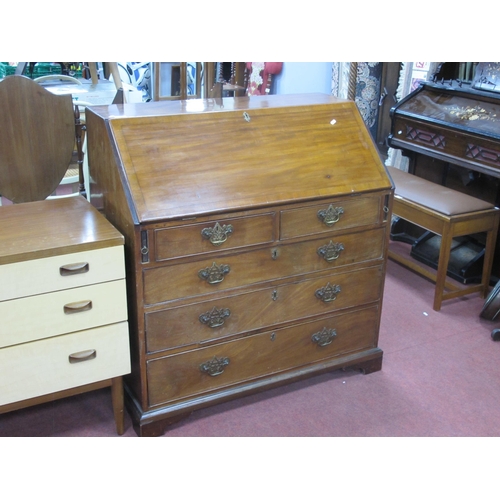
[63, 305]
[256, 237]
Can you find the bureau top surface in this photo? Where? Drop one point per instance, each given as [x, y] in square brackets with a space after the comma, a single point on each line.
[52, 227]
[190, 158]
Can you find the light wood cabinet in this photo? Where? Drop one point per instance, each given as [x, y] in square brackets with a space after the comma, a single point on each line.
[63, 304]
[256, 237]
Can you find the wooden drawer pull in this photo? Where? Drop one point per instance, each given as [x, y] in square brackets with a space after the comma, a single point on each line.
[71, 269]
[217, 234]
[78, 357]
[76, 307]
[215, 366]
[324, 337]
[331, 215]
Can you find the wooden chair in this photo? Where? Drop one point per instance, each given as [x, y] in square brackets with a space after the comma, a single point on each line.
[37, 140]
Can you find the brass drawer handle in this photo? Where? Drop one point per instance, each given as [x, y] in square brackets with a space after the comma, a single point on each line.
[215, 366]
[331, 215]
[324, 337]
[217, 234]
[331, 251]
[328, 293]
[215, 317]
[78, 357]
[71, 269]
[214, 274]
[76, 307]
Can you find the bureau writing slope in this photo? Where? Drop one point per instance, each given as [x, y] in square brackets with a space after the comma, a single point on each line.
[256, 233]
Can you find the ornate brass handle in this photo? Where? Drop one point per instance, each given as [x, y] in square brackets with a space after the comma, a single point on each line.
[215, 317]
[331, 215]
[331, 251]
[328, 293]
[214, 274]
[324, 337]
[215, 366]
[217, 234]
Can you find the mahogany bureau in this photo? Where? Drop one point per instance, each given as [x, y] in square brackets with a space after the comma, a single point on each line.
[256, 234]
[63, 304]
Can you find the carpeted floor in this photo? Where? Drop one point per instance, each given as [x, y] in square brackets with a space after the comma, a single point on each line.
[440, 377]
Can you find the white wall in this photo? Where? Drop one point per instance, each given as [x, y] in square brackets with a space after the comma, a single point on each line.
[302, 78]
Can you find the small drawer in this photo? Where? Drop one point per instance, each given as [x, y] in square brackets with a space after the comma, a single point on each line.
[232, 271]
[216, 235]
[61, 272]
[56, 313]
[211, 368]
[38, 368]
[214, 320]
[337, 215]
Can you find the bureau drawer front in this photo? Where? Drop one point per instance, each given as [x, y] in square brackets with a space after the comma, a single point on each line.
[180, 376]
[56, 313]
[183, 280]
[355, 212]
[37, 368]
[60, 272]
[213, 320]
[221, 234]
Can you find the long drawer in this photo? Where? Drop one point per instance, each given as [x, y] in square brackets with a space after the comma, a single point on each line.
[213, 320]
[232, 271]
[46, 366]
[179, 376]
[60, 272]
[56, 313]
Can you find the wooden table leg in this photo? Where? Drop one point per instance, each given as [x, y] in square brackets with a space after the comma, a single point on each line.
[118, 406]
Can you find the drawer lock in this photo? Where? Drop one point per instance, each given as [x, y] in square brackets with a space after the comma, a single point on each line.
[215, 366]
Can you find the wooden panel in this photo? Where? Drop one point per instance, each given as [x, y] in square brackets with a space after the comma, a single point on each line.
[263, 354]
[53, 227]
[182, 280]
[187, 326]
[36, 368]
[38, 276]
[186, 240]
[352, 212]
[41, 316]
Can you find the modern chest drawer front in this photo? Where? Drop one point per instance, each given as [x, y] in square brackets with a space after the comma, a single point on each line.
[213, 320]
[225, 272]
[60, 272]
[52, 314]
[37, 368]
[339, 214]
[218, 234]
[203, 370]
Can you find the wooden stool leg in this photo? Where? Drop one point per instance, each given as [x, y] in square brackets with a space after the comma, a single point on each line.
[489, 251]
[442, 269]
[118, 404]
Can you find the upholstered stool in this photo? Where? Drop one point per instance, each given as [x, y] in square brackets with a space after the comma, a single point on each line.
[449, 214]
